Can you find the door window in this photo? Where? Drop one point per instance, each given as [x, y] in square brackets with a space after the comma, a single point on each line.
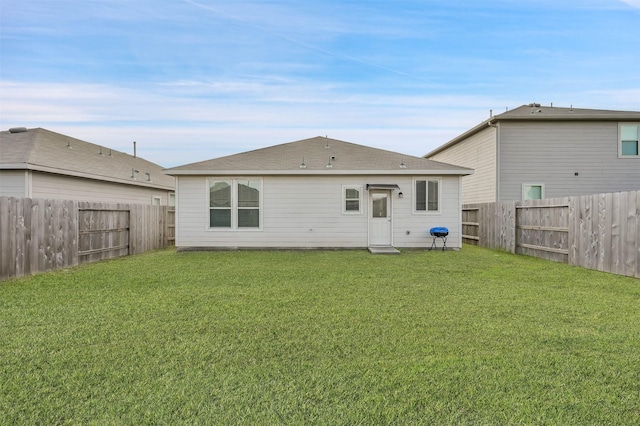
[379, 205]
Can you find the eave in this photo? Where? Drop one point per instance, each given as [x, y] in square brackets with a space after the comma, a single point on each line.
[329, 172]
[66, 172]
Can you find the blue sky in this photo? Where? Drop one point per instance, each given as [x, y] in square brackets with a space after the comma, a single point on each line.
[191, 80]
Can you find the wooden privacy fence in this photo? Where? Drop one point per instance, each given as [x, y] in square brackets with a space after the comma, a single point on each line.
[599, 231]
[38, 235]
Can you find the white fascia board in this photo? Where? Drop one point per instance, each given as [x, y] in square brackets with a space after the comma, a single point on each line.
[14, 166]
[64, 172]
[405, 172]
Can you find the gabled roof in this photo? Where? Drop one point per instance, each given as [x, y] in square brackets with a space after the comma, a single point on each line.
[43, 150]
[539, 113]
[319, 155]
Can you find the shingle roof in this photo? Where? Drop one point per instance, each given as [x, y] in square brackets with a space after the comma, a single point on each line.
[316, 154]
[537, 112]
[44, 150]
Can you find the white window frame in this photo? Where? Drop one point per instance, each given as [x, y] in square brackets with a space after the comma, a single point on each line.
[171, 200]
[359, 188]
[528, 185]
[620, 125]
[234, 204]
[415, 194]
[155, 198]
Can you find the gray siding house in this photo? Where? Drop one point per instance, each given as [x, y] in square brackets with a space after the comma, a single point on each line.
[316, 193]
[539, 151]
[38, 163]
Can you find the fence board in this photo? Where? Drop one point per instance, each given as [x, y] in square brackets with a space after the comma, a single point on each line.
[616, 235]
[631, 234]
[171, 226]
[637, 248]
[20, 237]
[6, 243]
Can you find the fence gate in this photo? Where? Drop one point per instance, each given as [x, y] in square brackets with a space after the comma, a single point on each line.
[471, 225]
[542, 230]
[102, 234]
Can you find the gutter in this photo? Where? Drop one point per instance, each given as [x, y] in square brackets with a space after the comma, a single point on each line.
[405, 172]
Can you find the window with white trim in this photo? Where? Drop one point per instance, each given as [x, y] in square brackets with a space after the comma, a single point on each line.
[155, 200]
[426, 195]
[351, 199]
[628, 139]
[235, 203]
[532, 191]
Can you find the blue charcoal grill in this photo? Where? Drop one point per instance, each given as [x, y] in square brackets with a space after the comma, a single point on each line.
[439, 232]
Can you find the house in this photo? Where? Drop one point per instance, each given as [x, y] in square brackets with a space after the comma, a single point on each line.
[316, 193]
[539, 151]
[39, 163]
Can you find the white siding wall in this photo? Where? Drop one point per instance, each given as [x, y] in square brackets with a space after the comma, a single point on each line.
[47, 185]
[14, 183]
[551, 153]
[306, 212]
[478, 152]
[418, 225]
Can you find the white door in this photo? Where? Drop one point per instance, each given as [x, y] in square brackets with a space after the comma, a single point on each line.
[380, 218]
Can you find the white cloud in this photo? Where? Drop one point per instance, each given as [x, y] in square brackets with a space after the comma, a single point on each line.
[632, 3]
[178, 128]
[187, 121]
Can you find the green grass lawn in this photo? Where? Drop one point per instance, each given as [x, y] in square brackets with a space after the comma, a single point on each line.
[321, 337]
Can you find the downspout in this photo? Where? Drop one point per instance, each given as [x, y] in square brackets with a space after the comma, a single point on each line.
[496, 126]
[460, 211]
[28, 183]
[176, 214]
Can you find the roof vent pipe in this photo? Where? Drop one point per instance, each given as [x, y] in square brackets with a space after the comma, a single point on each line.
[134, 149]
[17, 130]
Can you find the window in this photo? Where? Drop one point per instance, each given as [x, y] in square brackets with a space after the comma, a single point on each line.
[172, 199]
[235, 203]
[155, 200]
[351, 199]
[532, 191]
[427, 195]
[629, 140]
[220, 204]
[248, 203]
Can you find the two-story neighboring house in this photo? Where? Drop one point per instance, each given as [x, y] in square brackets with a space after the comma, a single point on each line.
[539, 151]
[39, 163]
